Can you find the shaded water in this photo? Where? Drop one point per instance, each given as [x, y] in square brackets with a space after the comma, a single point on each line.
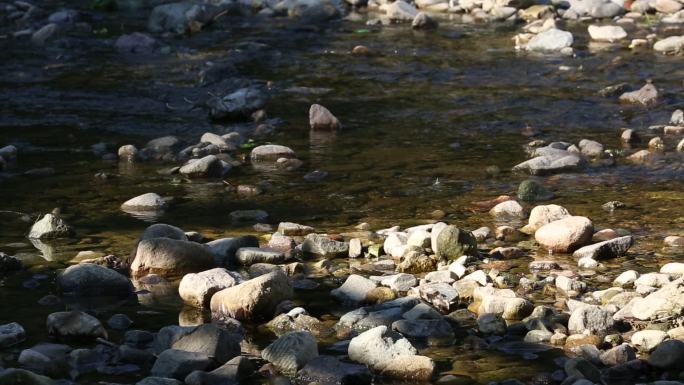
[392, 163]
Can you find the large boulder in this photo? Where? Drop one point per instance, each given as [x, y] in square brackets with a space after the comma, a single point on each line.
[170, 258]
[87, 279]
[74, 324]
[197, 289]
[50, 226]
[255, 299]
[218, 344]
[291, 351]
[565, 235]
[378, 346]
[453, 242]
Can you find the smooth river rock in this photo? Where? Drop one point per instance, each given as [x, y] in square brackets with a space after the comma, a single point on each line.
[170, 258]
[255, 299]
[291, 351]
[565, 235]
[87, 279]
[196, 289]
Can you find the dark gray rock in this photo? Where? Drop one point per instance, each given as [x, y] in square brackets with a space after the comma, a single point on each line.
[322, 245]
[612, 248]
[11, 334]
[75, 324]
[326, 370]
[224, 249]
[88, 279]
[178, 364]
[212, 341]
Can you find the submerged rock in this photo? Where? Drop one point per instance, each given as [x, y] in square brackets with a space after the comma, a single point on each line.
[647, 95]
[74, 324]
[237, 105]
[326, 370]
[135, 43]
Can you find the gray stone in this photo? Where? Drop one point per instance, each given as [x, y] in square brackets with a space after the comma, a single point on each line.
[119, 322]
[354, 290]
[237, 105]
[646, 95]
[618, 355]
[271, 153]
[12, 376]
[161, 230]
[74, 324]
[294, 229]
[532, 191]
[668, 355]
[591, 319]
[197, 289]
[50, 226]
[378, 346]
[145, 202]
[167, 336]
[453, 242]
[180, 17]
[247, 256]
[248, 216]
[432, 329]
[178, 364]
[325, 247]
[550, 40]
[326, 370]
[613, 248]
[45, 33]
[87, 279]
[442, 296]
[216, 343]
[135, 43]
[424, 21]
[11, 334]
[224, 249]
[550, 164]
[320, 118]
[291, 351]
[207, 167]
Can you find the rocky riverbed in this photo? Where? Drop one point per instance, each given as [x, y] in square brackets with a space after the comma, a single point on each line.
[324, 192]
